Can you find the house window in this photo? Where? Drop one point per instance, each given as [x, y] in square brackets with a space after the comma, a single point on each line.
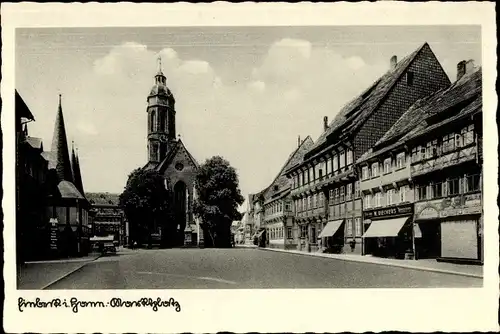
[400, 160]
[328, 167]
[378, 199]
[358, 227]
[390, 197]
[303, 231]
[356, 189]
[349, 157]
[415, 154]
[336, 198]
[313, 235]
[304, 204]
[287, 207]
[421, 193]
[472, 183]
[422, 152]
[409, 78]
[367, 201]
[448, 143]
[387, 166]
[364, 173]
[315, 201]
[375, 169]
[342, 160]
[453, 187]
[289, 233]
[342, 194]
[320, 174]
[348, 194]
[321, 200]
[458, 140]
[468, 134]
[349, 228]
[335, 164]
[402, 194]
[437, 190]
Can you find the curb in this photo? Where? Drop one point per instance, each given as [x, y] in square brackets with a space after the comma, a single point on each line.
[67, 274]
[406, 266]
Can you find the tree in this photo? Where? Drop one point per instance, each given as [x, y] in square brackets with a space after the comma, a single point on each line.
[217, 202]
[147, 205]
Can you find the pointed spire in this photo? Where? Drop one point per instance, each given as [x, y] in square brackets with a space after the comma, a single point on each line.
[60, 147]
[159, 65]
[75, 169]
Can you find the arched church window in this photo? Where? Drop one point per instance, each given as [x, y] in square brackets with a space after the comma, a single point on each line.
[153, 120]
[162, 121]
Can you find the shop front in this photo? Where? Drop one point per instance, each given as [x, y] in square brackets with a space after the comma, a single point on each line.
[389, 232]
[451, 228]
[332, 236]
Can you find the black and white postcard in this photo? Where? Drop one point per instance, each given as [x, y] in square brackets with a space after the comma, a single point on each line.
[249, 167]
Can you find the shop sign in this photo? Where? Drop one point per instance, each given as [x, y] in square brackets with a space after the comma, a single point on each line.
[53, 233]
[406, 209]
[455, 206]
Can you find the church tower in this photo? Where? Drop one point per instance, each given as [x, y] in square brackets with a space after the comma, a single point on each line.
[161, 118]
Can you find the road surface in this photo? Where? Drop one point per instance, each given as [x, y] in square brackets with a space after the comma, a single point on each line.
[245, 268]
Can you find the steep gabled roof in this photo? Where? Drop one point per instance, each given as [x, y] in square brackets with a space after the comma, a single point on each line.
[281, 181]
[22, 110]
[177, 145]
[35, 142]
[462, 98]
[355, 113]
[75, 168]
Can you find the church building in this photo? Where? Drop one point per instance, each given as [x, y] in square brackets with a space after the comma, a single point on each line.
[168, 155]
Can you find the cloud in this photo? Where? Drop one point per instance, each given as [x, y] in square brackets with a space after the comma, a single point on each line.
[257, 86]
[87, 128]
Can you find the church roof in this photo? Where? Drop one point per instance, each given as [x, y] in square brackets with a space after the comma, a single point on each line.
[176, 145]
[60, 148]
[35, 142]
[75, 169]
[159, 89]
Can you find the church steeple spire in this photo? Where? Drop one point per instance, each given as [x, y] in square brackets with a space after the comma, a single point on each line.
[75, 168]
[160, 78]
[60, 147]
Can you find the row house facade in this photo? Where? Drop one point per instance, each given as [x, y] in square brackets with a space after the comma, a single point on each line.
[421, 182]
[325, 185]
[52, 218]
[108, 218]
[273, 207]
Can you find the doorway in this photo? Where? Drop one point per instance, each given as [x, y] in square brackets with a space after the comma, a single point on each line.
[180, 211]
[429, 245]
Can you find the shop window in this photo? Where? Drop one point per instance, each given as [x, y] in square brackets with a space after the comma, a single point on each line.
[364, 173]
[348, 228]
[472, 183]
[358, 226]
[375, 169]
[453, 187]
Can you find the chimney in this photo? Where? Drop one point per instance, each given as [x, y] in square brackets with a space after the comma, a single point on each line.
[469, 66]
[461, 69]
[394, 62]
[298, 142]
[325, 123]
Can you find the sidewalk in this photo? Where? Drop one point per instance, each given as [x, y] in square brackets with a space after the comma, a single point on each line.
[40, 274]
[469, 270]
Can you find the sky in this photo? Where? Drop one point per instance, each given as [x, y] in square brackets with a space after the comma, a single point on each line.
[244, 93]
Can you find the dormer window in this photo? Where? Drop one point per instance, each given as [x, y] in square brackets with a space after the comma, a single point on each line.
[409, 78]
[275, 188]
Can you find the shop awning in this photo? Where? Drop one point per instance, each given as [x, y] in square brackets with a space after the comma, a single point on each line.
[385, 228]
[331, 228]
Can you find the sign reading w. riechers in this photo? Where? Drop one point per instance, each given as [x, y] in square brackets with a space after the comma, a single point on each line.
[401, 210]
